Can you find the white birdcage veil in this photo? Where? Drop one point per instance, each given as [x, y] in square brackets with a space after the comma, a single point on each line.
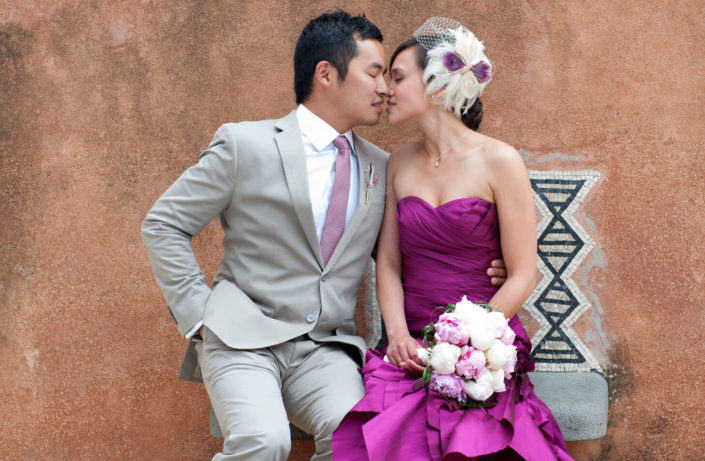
[436, 30]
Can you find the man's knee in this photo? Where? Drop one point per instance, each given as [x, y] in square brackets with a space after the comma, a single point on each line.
[266, 443]
[334, 416]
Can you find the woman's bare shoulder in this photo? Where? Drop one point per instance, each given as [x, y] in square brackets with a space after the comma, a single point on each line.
[498, 153]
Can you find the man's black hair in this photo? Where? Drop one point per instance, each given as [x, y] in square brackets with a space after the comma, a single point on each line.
[329, 37]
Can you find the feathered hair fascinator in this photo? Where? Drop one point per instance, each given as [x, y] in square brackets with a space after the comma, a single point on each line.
[456, 63]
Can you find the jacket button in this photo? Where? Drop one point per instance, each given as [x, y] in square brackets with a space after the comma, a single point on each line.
[310, 318]
[324, 277]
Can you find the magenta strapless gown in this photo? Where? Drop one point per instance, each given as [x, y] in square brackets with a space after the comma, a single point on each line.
[445, 254]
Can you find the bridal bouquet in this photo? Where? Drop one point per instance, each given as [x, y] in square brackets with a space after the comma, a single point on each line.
[470, 353]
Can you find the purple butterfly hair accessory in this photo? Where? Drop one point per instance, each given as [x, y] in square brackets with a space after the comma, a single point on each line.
[453, 62]
[482, 71]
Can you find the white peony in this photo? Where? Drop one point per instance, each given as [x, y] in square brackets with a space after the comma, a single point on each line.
[423, 356]
[444, 356]
[463, 303]
[469, 312]
[481, 337]
[498, 380]
[497, 322]
[497, 355]
[480, 388]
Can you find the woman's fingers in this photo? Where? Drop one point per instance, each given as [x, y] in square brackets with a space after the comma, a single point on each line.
[403, 351]
[412, 367]
[396, 353]
[412, 350]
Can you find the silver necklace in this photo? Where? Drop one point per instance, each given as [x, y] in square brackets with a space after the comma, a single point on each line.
[438, 159]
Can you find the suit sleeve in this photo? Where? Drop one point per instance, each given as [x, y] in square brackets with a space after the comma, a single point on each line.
[185, 209]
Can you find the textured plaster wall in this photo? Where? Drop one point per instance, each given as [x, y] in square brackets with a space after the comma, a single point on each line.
[104, 103]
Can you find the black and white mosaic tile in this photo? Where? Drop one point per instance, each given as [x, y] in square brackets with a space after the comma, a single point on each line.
[557, 302]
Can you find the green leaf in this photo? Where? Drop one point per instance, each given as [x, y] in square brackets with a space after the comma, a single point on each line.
[426, 376]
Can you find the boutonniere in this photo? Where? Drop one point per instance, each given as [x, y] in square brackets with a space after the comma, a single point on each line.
[372, 180]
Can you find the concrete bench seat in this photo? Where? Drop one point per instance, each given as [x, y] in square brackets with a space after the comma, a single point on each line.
[578, 402]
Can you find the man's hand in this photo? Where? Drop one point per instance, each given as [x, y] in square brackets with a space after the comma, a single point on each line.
[497, 272]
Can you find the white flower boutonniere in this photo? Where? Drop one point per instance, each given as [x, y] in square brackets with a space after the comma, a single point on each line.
[372, 180]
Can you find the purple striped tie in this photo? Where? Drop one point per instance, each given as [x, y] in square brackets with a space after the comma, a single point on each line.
[338, 206]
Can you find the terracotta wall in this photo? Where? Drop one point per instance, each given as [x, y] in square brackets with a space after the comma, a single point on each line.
[104, 103]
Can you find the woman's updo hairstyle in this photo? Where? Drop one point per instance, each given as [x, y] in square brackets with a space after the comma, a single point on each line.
[455, 68]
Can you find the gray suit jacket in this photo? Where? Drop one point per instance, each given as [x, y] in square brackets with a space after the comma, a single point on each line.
[271, 285]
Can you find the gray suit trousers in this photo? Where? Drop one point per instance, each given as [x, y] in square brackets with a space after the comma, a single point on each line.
[255, 393]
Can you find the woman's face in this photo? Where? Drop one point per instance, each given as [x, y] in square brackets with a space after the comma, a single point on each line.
[407, 97]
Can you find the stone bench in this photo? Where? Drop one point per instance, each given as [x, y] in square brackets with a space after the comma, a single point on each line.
[578, 400]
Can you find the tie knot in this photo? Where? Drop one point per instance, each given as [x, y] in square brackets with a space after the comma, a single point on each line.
[341, 142]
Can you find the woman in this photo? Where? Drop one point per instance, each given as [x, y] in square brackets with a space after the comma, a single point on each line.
[449, 196]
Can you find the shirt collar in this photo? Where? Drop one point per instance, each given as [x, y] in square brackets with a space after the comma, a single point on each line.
[317, 130]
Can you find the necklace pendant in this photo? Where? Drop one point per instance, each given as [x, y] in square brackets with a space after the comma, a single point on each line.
[436, 163]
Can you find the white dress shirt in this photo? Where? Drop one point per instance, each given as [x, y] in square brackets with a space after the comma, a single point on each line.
[318, 136]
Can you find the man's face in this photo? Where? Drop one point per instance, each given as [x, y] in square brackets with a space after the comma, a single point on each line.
[360, 96]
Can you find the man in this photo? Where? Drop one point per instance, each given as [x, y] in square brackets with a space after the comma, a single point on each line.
[300, 200]
[279, 340]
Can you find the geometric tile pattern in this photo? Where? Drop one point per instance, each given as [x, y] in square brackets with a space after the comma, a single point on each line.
[557, 302]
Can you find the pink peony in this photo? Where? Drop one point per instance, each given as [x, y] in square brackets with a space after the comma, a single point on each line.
[451, 329]
[471, 362]
[508, 337]
[450, 386]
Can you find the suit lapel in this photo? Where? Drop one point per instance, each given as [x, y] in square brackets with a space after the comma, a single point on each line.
[293, 158]
[363, 165]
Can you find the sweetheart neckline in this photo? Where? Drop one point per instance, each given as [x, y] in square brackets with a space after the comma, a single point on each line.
[444, 203]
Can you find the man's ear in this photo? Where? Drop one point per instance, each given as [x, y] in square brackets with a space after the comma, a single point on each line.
[324, 74]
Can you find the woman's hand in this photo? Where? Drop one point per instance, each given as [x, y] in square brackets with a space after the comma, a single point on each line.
[403, 353]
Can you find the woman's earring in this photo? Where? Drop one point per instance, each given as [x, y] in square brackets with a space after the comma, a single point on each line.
[433, 96]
